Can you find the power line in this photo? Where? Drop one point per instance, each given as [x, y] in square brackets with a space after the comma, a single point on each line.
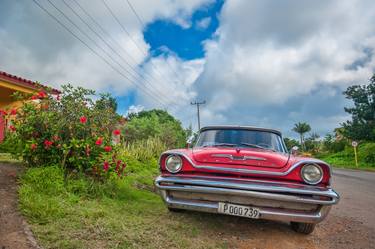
[123, 27]
[135, 13]
[134, 42]
[104, 31]
[198, 104]
[98, 46]
[114, 51]
[151, 89]
[143, 25]
[91, 49]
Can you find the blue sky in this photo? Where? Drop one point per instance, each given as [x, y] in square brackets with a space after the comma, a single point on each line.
[260, 63]
[186, 42]
[167, 37]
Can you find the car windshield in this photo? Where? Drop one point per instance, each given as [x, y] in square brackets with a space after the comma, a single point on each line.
[241, 138]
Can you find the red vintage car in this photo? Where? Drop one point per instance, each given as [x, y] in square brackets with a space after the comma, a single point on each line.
[247, 171]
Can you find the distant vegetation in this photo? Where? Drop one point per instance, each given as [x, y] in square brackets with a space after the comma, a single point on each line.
[336, 148]
[155, 124]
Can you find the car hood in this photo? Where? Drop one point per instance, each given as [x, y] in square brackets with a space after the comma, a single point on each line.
[240, 156]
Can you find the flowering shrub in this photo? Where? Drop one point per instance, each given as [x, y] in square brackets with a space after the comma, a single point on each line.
[70, 129]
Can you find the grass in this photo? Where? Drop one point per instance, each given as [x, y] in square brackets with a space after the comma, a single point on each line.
[121, 213]
[345, 159]
[7, 158]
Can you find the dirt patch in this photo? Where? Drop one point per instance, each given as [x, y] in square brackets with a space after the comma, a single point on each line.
[14, 231]
[335, 232]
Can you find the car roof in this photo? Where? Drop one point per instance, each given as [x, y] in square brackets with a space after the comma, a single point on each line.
[239, 127]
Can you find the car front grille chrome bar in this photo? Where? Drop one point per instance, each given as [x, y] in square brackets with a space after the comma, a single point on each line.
[266, 191]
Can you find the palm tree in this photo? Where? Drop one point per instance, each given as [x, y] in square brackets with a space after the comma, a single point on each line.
[301, 129]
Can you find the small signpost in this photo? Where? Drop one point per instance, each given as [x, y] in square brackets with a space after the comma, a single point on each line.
[355, 145]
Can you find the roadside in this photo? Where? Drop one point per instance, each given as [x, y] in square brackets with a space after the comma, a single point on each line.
[130, 220]
[14, 231]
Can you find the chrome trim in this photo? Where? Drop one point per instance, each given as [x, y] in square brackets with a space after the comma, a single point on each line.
[250, 190]
[321, 173]
[171, 171]
[265, 213]
[260, 190]
[243, 158]
[241, 170]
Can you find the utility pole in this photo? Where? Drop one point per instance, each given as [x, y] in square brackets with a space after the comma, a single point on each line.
[199, 118]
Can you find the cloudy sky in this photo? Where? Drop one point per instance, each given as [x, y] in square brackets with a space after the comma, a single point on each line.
[262, 63]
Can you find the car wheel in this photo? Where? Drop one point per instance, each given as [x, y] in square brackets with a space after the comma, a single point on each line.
[305, 228]
[174, 209]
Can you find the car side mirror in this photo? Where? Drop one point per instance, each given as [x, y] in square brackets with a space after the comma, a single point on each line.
[189, 141]
[294, 150]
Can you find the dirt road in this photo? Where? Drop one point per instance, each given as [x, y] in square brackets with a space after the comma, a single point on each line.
[351, 224]
[14, 232]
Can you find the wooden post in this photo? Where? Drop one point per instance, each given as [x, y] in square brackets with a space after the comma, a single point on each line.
[355, 145]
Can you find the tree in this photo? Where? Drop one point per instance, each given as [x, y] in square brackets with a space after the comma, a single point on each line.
[290, 142]
[106, 101]
[332, 144]
[155, 123]
[301, 129]
[362, 125]
[312, 142]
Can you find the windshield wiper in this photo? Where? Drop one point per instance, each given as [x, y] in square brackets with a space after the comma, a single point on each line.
[220, 144]
[257, 146]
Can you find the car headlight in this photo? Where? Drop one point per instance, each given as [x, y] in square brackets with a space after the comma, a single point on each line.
[173, 163]
[312, 173]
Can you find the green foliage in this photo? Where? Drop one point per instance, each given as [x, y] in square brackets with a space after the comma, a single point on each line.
[290, 142]
[106, 101]
[312, 143]
[362, 125]
[117, 213]
[155, 123]
[144, 150]
[301, 129]
[345, 158]
[331, 144]
[367, 152]
[70, 130]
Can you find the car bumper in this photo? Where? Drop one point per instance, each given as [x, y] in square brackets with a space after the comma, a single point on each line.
[275, 200]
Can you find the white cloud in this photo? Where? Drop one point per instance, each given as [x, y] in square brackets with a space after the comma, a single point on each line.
[267, 53]
[203, 23]
[133, 109]
[172, 79]
[36, 47]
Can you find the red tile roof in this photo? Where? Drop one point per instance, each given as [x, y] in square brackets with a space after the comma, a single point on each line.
[26, 83]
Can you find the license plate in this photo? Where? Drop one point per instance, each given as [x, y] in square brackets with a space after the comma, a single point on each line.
[238, 210]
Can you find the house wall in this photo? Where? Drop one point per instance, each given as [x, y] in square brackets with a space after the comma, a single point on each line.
[7, 89]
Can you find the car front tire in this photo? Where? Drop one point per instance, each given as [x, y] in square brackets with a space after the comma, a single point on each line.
[305, 228]
[175, 210]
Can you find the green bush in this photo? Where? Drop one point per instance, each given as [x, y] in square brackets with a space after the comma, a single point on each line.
[155, 123]
[366, 156]
[70, 130]
[367, 152]
[144, 150]
[331, 144]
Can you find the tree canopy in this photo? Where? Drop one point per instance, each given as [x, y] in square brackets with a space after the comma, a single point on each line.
[155, 123]
[362, 125]
[301, 129]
